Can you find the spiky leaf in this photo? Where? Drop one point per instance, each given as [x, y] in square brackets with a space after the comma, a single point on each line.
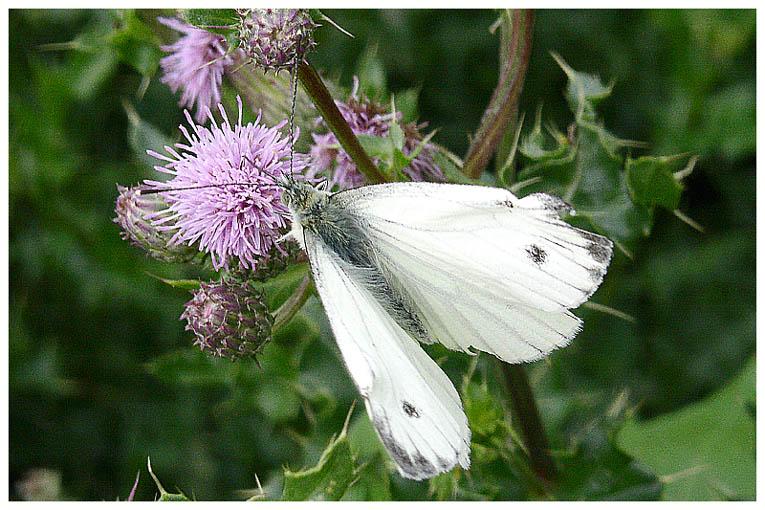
[328, 480]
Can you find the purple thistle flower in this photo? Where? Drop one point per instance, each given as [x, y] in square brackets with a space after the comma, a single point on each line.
[368, 118]
[195, 65]
[234, 207]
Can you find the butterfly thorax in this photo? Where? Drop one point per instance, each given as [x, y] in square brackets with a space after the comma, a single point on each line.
[314, 211]
[329, 221]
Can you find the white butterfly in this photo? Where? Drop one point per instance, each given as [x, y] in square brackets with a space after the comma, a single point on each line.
[471, 267]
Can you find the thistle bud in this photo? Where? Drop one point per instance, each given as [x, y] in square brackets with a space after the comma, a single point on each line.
[229, 318]
[275, 38]
[137, 214]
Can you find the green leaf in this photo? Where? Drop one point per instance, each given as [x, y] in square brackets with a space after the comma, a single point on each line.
[163, 494]
[592, 180]
[536, 146]
[407, 103]
[598, 191]
[611, 194]
[371, 72]
[593, 467]
[364, 440]
[219, 21]
[584, 91]
[450, 169]
[400, 161]
[279, 288]
[712, 287]
[328, 480]
[191, 367]
[372, 481]
[498, 469]
[652, 182]
[143, 136]
[316, 14]
[377, 146]
[91, 73]
[485, 415]
[178, 284]
[278, 400]
[396, 135]
[135, 43]
[605, 474]
[697, 460]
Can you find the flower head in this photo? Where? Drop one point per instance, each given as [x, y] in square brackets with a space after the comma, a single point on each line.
[275, 38]
[229, 319]
[368, 118]
[195, 65]
[136, 214]
[224, 192]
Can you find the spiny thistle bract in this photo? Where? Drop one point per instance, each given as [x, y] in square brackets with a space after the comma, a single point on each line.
[230, 319]
[136, 213]
[276, 38]
[278, 259]
[224, 193]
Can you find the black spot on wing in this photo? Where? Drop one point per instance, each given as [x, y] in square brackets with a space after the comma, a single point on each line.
[536, 254]
[410, 410]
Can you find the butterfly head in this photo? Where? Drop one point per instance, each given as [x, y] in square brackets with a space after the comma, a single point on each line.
[299, 196]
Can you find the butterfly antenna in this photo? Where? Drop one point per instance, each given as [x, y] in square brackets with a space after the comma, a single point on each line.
[187, 188]
[265, 172]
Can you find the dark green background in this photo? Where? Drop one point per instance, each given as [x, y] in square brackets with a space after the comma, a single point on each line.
[85, 318]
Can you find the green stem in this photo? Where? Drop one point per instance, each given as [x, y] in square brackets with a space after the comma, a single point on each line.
[294, 303]
[524, 408]
[505, 144]
[317, 91]
[514, 57]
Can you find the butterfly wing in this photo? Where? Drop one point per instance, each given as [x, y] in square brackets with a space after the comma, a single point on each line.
[486, 269]
[411, 402]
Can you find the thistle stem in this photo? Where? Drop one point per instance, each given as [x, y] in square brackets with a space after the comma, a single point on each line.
[317, 91]
[525, 409]
[514, 59]
[294, 303]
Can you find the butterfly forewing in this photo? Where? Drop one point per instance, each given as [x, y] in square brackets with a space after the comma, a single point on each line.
[487, 270]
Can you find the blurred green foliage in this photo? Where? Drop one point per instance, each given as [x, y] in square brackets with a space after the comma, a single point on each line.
[102, 374]
[714, 438]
